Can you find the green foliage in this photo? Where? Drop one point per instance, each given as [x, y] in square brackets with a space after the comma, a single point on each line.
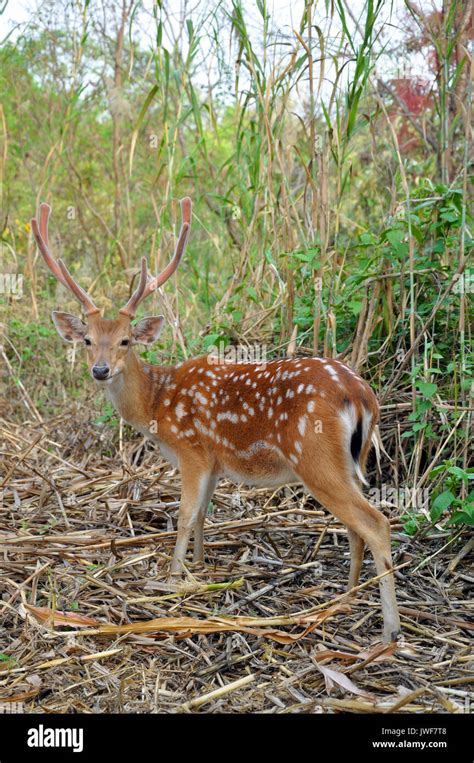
[454, 501]
[308, 210]
[109, 416]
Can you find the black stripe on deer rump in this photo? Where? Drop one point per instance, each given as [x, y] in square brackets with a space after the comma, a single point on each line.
[356, 441]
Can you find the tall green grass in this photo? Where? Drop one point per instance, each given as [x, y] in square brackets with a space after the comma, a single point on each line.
[312, 225]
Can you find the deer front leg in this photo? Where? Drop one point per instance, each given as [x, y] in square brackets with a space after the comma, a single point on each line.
[196, 483]
[198, 553]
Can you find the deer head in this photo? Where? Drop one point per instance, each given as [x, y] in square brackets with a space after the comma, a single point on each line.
[108, 342]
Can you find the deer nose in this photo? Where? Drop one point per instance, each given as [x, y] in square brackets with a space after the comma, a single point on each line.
[100, 372]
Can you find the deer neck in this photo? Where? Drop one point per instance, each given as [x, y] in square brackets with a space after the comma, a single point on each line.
[136, 393]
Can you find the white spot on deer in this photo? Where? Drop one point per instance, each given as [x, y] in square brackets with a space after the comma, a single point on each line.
[298, 446]
[254, 448]
[309, 389]
[270, 413]
[228, 415]
[333, 373]
[311, 406]
[166, 401]
[302, 425]
[202, 398]
[293, 458]
[180, 411]
[201, 427]
[300, 389]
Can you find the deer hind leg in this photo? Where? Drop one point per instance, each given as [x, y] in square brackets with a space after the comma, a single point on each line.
[198, 552]
[373, 529]
[196, 484]
[366, 525]
[357, 546]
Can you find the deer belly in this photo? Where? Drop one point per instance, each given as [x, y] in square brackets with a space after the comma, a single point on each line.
[260, 466]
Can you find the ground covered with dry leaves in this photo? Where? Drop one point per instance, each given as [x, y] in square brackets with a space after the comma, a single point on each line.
[90, 623]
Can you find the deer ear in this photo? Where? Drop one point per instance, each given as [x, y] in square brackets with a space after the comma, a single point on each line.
[148, 329]
[68, 326]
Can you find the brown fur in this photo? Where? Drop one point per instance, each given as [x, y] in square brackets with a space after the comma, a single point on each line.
[266, 424]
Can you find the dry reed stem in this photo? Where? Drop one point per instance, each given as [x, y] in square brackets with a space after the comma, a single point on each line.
[275, 561]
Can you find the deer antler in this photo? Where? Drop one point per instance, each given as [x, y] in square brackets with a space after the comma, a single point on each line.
[145, 286]
[57, 267]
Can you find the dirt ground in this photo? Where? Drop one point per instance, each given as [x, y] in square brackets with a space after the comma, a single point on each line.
[87, 530]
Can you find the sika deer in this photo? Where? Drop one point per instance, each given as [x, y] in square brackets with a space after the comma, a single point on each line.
[285, 421]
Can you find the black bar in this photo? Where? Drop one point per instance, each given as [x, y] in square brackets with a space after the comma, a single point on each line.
[312, 737]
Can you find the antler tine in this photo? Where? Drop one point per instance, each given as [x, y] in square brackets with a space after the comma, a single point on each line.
[45, 211]
[40, 233]
[58, 268]
[137, 296]
[160, 279]
[147, 287]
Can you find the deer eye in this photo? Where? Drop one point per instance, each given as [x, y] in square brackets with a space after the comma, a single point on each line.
[87, 342]
[124, 342]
